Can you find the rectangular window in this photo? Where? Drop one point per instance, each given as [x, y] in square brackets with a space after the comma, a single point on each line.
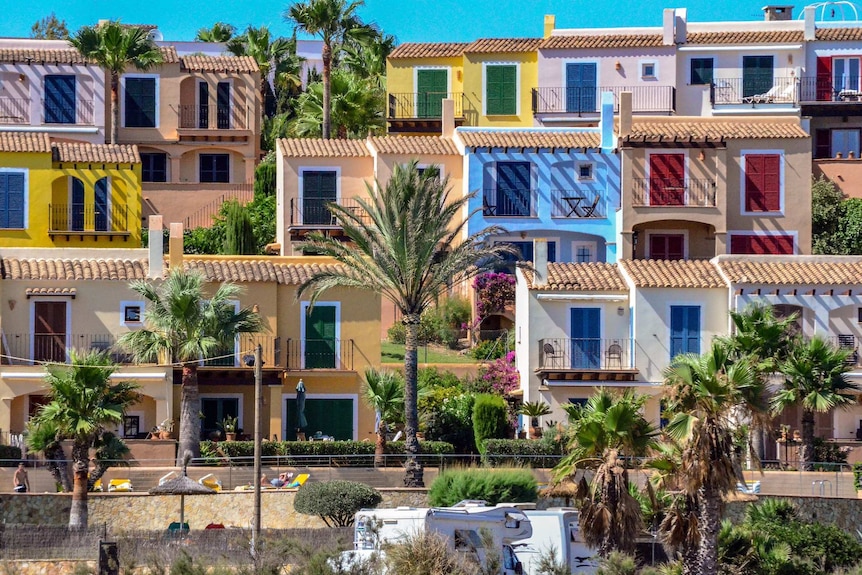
[525, 254]
[859, 314]
[585, 171]
[584, 252]
[131, 426]
[319, 188]
[329, 416]
[757, 244]
[60, 99]
[701, 71]
[845, 142]
[667, 246]
[845, 73]
[214, 410]
[12, 200]
[154, 167]
[501, 90]
[757, 75]
[215, 168]
[762, 183]
[648, 70]
[822, 144]
[581, 87]
[684, 329]
[140, 103]
[320, 341]
[513, 193]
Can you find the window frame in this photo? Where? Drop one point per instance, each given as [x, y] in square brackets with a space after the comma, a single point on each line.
[666, 232]
[701, 59]
[156, 113]
[743, 154]
[700, 315]
[303, 315]
[145, 168]
[593, 246]
[792, 234]
[26, 173]
[125, 305]
[643, 65]
[214, 154]
[517, 86]
[591, 166]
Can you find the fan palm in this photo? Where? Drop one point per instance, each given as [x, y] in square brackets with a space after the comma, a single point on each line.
[405, 243]
[82, 404]
[384, 393]
[115, 47]
[814, 379]
[355, 107]
[267, 52]
[46, 439]
[183, 325]
[220, 32]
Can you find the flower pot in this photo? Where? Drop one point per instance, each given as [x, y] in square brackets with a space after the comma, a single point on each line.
[230, 436]
[164, 435]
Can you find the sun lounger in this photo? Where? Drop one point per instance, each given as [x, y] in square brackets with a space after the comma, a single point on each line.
[298, 482]
[211, 481]
[119, 485]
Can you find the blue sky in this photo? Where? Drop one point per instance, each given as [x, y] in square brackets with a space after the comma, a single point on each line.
[408, 20]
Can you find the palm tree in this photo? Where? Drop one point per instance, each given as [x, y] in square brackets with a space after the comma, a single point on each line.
[182, 325]
[82, 404]
[334, 21]
[704, 392]
[220, 32]
[355, 108]
[604, 433]
[405, 243]
[45, 438]
[384, 393]
[115, 47]
[814, 379]
[368, 59]
[267, 51]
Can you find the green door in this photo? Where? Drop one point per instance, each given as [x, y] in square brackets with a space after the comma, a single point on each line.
[432, 86]
[320, 338]
[332, 417]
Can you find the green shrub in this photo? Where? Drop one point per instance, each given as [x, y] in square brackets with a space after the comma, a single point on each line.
[827, 452]
[424, 553]
[450, 418]
[489, 349]
[216, 452]
[336, 502]
[490, 419]
[492, 485]
[397, 333]
[265, 176]
[857, 475]
[523, 452]
[431, 377]
[9, 455]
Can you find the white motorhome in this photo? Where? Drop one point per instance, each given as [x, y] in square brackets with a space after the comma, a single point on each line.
[556, 528]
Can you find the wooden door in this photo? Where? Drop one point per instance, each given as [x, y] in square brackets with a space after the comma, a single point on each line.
[667, 179]
[49, 333]
[432, 86]
[320, 341]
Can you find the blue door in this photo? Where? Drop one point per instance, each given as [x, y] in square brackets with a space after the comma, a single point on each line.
[513, 189]
[101, 211]
[77, 205]
[581, 88]
[59, 99]
[586, 338]
[684, 329]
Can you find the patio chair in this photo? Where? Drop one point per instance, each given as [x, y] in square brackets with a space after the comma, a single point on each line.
[175, 527]
[614, 352]
[120, 485]
[298, 482]
[211, 481]
[550, 353]
[775, 94]
[589, 210]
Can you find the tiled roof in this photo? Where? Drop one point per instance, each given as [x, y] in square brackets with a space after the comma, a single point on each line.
[709, 130]
[792, 271]
[673, 273]
[428, 50]
[25, 142]
[169, 55]
[501, 45]
[38, 55]
[424, 145]
[43, 291]
[579, 41]
[201, 63]
[74, 269]
[580, 277]
[839, 34]
[529, 139]
[320, 148]
[747, 37]
[256, 270]
[102, 153]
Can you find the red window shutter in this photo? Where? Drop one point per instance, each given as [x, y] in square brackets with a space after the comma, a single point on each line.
[754, 183]
[657, 247]
[778, 245]
[753, 244]
[667, 179]
[675, 247]
[740, 244]
[762, 183]
[772, 182]
[666, 246]
[824, 79]
[822, 144]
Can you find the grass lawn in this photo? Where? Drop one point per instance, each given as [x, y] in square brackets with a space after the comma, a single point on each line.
[394, 353]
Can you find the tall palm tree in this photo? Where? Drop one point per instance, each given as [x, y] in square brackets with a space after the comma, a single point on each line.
[384, 393]
[267, 51]
[356, 107]
[405, 243]
[368, 59]
[46, 438]
[183, 325]
[333, 21]
[704, 392]
[115, 47]
[82, 404]
[220, 32]
[815, 380]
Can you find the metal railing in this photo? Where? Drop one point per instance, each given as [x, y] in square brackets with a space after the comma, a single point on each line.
[421, 105]
[205, 117]
[576, 204]
[81, 113]
[316, 212]
[320, 354]
[754, 89]
[243, 351]
[828, 88]
[82, 217]
[848, 342]
[585, 353]
[14, 111]
[500, 202]
[587, 100]
[673, 192]
[204, 217]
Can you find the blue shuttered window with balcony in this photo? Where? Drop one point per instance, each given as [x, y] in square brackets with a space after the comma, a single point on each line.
[12, 200]
[581, 80]
[60, 99]
[513, 189]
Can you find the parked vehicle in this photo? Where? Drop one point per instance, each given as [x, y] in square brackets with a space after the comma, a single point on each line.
[556, 528]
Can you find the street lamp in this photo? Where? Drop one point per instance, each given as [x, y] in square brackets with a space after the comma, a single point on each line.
[256, 361]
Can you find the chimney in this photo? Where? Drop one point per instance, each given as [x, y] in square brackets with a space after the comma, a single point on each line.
[606, 121]
[774, 13]
[550, 24]
[681, 23]
[447, 118]
[157, 245]
[667, 21]
[540, 263]
[810, 31]
[625, 114]
[175, 246]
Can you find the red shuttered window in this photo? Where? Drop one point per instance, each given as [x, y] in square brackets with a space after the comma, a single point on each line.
[762, 183]
[762, 244]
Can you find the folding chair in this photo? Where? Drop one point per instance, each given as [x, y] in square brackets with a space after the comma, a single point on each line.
[590, 210]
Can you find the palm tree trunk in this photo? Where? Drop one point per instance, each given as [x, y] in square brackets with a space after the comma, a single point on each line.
[327, 91]
[190, 407]
[413, 469]
[710, 523]
[380, 446]
[56, 460]
[80, 466]
[690, 560]
[806, 449]
[115, 107]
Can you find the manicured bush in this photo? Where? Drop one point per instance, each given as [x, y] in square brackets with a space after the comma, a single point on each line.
[265, 176]
[490, 419]
[9, 455]
[216, 452]
[448, 417]
[523, 452]
[492, 485]
[336, 502]
[827, 453]
[429, 377]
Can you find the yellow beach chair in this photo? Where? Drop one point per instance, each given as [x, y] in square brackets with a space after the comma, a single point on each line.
[211, 481]
[120, 485]
[298, 482]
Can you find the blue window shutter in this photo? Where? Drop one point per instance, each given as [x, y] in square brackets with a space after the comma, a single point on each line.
[552, 251]
[59, 99]
[684, 329]
[12, 200]
[4, 200]
[586, 345]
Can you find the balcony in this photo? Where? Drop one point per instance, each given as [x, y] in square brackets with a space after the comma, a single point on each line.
[330, 354]
[671, 192]
[421, 112]
[830, 96]
[849, 342]
[87, 220]
[576, 204]
[505, 203]
[587, 100]
[14, 111]
[586, 359]
[204, 117]
[753, 90]
[310, 214]
[79, 113]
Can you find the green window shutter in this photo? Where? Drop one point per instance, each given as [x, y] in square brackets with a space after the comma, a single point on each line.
[140, 103]
[320, 341]
[501, 90]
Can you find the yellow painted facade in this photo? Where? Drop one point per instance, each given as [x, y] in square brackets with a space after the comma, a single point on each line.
[474, 86]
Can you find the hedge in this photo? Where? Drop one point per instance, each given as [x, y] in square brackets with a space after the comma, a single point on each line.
[9, 455]
[491, 485]
[215, 452]
[521, 452]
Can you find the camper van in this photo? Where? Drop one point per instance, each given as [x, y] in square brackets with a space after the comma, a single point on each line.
[556, 528]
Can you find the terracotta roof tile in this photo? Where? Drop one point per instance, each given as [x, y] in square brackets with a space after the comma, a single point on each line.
[201, 63]
[419, 145]
[839, 34]
[74, 269]
[580, 277]
[747, 37]
[529, 139]
[673, 274]
[256, 270]
[169, 55]
[428, 50]
[503, 45]
[710, 130]
[581, 41]
[25, 142]
[61, 291]
[320, 148]
[39, 55]
[754, 270]
[103, 153]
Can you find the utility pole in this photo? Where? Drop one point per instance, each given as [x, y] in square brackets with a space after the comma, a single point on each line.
[258, 400]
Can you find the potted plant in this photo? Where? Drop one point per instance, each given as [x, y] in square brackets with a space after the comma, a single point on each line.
[228, 425]
[534, 410]
[166, 428]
